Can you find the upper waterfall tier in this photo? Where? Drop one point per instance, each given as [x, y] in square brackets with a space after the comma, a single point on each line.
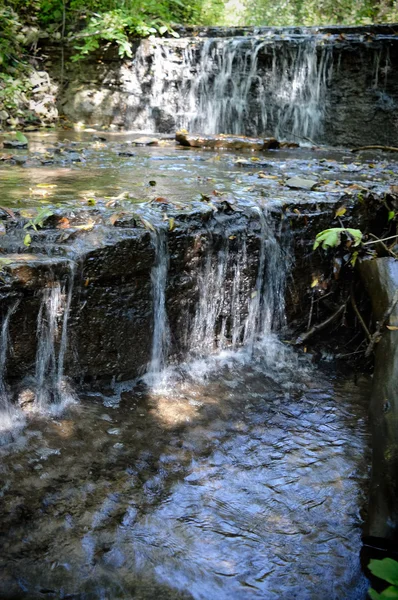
[337, 86]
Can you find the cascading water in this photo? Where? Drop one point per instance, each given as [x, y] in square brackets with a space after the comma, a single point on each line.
[229, 315]
[232, 86]
[7, 410]
[54, 309]
[159, 273]
[245, 85]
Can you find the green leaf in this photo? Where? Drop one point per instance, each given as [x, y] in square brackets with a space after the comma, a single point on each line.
[386, 569]
[21, 138]
[373, 594]
[27, 240]
[390, 593]
[391, 215]
[330, 238]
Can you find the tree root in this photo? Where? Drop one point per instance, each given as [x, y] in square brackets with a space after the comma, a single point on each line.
[358, 314]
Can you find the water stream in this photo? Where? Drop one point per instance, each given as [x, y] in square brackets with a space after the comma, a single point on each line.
[242, 85]
[160, 339]
[244, 474]
[52, 337]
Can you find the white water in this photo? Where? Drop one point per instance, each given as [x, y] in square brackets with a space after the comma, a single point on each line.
[229, 313]
[247, 85]
[10, 417]
[51, 389]
[234, 318]
[160, 340]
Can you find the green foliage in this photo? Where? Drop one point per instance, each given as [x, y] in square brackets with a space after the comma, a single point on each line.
[330, 238]
[38, 220]
[319, 12]
[11, 38]
[386, 569]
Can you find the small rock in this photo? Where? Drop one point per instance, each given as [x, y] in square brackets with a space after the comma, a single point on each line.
[145, 141]
[14, 144]
[20, 160]
[298, 183]
[74, 157]
[126, 153]
[26, 398]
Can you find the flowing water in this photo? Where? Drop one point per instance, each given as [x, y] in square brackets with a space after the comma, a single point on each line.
[242, 85]
[242, 478]
[243, 473]
[160, 339]
[51, 389]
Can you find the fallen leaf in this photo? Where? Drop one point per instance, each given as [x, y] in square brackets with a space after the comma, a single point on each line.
[340, 211]
[171, 223]
[392, 327]
[147, 224]
[86, 227]
[63, 223]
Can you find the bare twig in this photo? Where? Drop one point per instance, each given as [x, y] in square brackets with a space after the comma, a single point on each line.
[311, 311]
[376, 337]
[377, 240]
[376, 147]
[358, 314]
[305, 336]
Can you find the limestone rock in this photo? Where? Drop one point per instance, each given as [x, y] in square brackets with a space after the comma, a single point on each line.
[299, 183]
[228, 142]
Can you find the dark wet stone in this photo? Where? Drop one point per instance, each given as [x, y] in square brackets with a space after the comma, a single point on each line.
[14, 144]
[299, 183]
[381, 279]
[231, 142]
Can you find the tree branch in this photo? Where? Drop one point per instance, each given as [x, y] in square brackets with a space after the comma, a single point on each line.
[305, 336]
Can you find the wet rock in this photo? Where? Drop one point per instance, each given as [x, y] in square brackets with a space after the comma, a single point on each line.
[126, 153]
[145, 141]
[14, 144]
[381, 279]
[26, 398]
[74, 157]
[230, 142]
[298, 183]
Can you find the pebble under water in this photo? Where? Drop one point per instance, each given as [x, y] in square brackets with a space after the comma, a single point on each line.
[236, 477]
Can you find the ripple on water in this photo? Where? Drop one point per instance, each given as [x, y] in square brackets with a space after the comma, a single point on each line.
[211, 491]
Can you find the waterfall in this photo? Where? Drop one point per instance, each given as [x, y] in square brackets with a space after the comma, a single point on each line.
[255, 85]
[228, 313]
[234, 93]
[51, 348]
[5, 405]
[159, 274]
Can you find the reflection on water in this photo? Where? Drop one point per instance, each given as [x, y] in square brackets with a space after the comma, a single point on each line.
[77, 170]
[238, 478]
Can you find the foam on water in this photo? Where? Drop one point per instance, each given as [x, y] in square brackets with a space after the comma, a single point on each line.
[242, 85]
[51, 389]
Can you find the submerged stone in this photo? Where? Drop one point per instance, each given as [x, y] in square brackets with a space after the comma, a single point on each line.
[228, 142]
[299, 183]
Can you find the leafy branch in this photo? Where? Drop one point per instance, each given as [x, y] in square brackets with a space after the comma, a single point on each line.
[386, 569]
